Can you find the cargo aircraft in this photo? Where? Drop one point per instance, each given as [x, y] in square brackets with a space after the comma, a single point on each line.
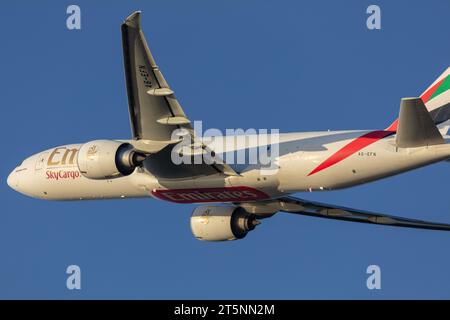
[235, 198]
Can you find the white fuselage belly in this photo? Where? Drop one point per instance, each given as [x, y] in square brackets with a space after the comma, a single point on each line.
[53, 174]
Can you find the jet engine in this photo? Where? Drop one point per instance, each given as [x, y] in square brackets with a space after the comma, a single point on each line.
[105, 159]
[220, 223]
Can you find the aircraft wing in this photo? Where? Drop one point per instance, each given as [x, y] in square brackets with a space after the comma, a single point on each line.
[154, 110]
[322, 210]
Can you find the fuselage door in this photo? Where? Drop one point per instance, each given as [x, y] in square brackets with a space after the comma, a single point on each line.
[40, 162]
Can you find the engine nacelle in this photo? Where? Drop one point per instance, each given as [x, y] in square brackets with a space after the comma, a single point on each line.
[105, 159]
[220, 223]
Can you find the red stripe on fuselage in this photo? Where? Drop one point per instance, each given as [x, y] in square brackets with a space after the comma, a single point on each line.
[393, 126]
[352, 148]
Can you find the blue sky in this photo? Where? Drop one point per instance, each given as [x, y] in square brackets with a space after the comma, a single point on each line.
[296, 66]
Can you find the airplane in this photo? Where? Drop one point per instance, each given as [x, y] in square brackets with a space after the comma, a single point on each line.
[235, 198]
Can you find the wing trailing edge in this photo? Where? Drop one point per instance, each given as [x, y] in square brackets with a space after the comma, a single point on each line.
[329, 211]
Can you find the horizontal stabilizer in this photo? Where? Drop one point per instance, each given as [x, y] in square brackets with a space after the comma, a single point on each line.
[416, 128]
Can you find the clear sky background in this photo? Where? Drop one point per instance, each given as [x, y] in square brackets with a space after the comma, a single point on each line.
[296, 66]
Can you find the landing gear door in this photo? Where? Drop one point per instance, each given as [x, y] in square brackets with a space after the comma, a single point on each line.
[40, 162]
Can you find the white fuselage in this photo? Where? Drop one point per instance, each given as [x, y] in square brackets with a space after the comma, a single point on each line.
[307, 162]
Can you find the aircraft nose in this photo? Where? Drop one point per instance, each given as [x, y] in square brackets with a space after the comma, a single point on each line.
[13, 180]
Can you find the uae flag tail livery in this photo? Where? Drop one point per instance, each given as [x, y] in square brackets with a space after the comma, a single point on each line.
[437, 101]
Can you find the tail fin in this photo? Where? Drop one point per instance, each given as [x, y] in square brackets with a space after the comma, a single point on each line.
[437, 98]
[437, 101]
